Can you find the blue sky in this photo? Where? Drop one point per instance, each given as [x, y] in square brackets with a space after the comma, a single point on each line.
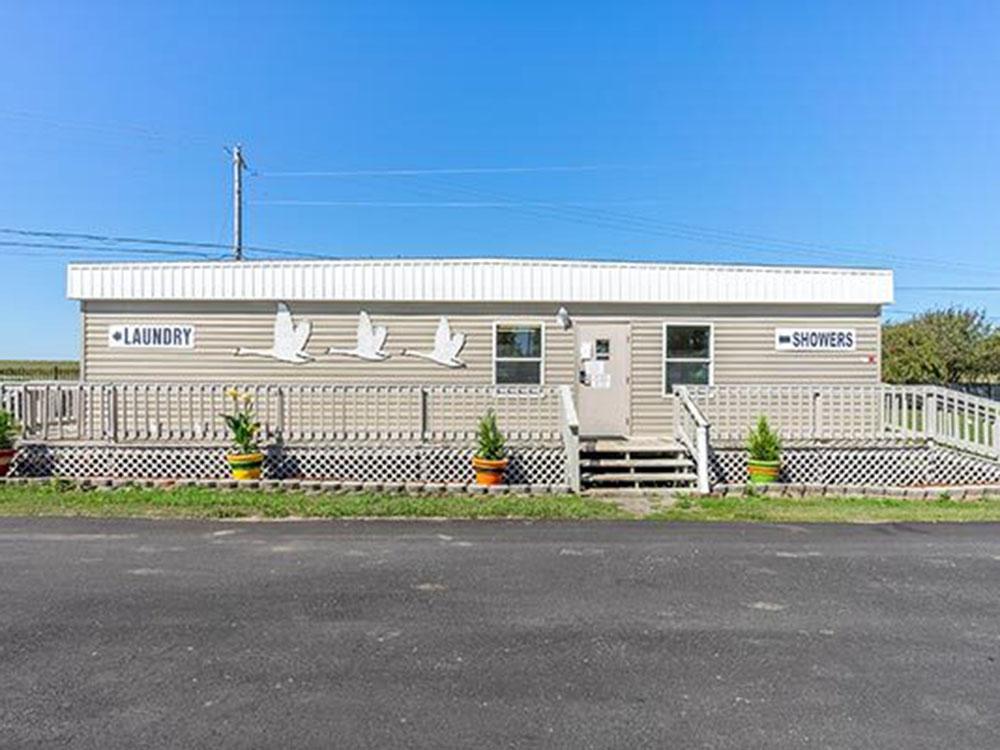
[856, 133]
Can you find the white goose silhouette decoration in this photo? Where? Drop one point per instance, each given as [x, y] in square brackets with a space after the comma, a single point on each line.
[289, 339]
[447, 347]
[370, 341]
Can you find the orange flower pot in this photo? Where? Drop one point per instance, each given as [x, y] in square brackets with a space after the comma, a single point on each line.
[489, 472]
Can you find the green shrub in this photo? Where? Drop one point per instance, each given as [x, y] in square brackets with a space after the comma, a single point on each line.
[9, 429]
[492, 445]
[763, 443]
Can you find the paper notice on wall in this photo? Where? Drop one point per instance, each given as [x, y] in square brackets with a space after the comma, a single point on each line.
[601, 380]
[594, 367]
[586, 350]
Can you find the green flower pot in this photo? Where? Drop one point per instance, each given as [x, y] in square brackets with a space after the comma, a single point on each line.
[763, 472]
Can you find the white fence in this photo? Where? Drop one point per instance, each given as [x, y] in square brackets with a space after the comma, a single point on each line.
[294, 413]
[830, 414]
[315, 414]
[802, 413]
[970, 423]
[807, 414]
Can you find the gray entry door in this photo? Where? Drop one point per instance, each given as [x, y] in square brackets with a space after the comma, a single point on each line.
[603, 382]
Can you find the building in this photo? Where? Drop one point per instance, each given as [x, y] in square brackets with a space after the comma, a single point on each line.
[602, 374]
[622, 335]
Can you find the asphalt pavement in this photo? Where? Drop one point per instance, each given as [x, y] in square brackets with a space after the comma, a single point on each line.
[132, 633]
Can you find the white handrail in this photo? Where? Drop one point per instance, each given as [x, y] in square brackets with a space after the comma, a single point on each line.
[571, 436]
[692, 428]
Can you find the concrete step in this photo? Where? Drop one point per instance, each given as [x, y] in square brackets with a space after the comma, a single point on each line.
[601, 462]
[631, 447]
[673, 477]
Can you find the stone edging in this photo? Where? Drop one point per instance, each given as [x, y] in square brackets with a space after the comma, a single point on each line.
[305, 485]
[953, 492]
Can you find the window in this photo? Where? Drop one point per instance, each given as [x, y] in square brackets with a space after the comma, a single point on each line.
[602, 350]
[517, 356]
[687, 355]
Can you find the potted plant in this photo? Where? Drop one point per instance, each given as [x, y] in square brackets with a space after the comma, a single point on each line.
[490, 461]
[8, 431]
[246, 460]
[764, 453]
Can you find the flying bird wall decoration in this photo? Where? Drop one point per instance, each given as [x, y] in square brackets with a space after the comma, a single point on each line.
[289, 341]
[447, 347]
[369, 344]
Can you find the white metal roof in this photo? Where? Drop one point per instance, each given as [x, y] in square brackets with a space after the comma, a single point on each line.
[485, 280]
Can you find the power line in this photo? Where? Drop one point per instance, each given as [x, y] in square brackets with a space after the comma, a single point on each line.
[109, 128]
[698, 233]
[676, 230]
[107, 238]
[706, 235]
[915, 313]
[92, 248]
[612, 219]
[188, 248]
[641, 225]
[149, 241]
[443, 204]
[692, 232]
[447, 171]
[948, 288]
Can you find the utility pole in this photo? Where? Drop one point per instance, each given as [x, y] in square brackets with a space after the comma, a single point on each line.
[238, 166]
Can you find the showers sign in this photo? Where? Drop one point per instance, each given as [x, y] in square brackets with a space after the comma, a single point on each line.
[815, 339]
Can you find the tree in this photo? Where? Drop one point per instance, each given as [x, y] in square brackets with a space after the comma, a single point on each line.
[941, 346]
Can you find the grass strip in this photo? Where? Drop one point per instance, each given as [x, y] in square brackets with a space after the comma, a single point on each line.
[200, 502]
[63, 499]
[825, 509]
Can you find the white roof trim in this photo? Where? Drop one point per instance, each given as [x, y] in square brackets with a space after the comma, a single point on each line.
[478, 280]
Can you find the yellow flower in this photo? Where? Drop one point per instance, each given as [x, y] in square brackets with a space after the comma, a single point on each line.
[246, 398]
[233, 392]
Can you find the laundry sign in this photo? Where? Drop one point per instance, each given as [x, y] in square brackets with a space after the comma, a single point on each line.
[151, 336]
[815, 339]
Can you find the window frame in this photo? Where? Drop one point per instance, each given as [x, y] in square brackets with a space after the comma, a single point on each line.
[663, 351]
[540, 359]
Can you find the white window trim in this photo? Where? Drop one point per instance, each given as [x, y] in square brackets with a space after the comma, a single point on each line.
[663, 352]
[493, 354]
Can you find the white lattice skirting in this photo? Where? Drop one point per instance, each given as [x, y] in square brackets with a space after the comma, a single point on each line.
[886, 466]
[536, 465]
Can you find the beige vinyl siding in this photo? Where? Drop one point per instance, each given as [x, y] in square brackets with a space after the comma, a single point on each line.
[743, 345]
[222, 327]
[744, 353]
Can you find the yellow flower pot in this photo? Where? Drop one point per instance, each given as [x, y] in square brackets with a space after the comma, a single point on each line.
[245, 465]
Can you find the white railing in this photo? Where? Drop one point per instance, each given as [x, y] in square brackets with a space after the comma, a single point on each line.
[970, 423]
[801, 413]
[292, 413]
[691, 429]
[850, 413]
[570, 424]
